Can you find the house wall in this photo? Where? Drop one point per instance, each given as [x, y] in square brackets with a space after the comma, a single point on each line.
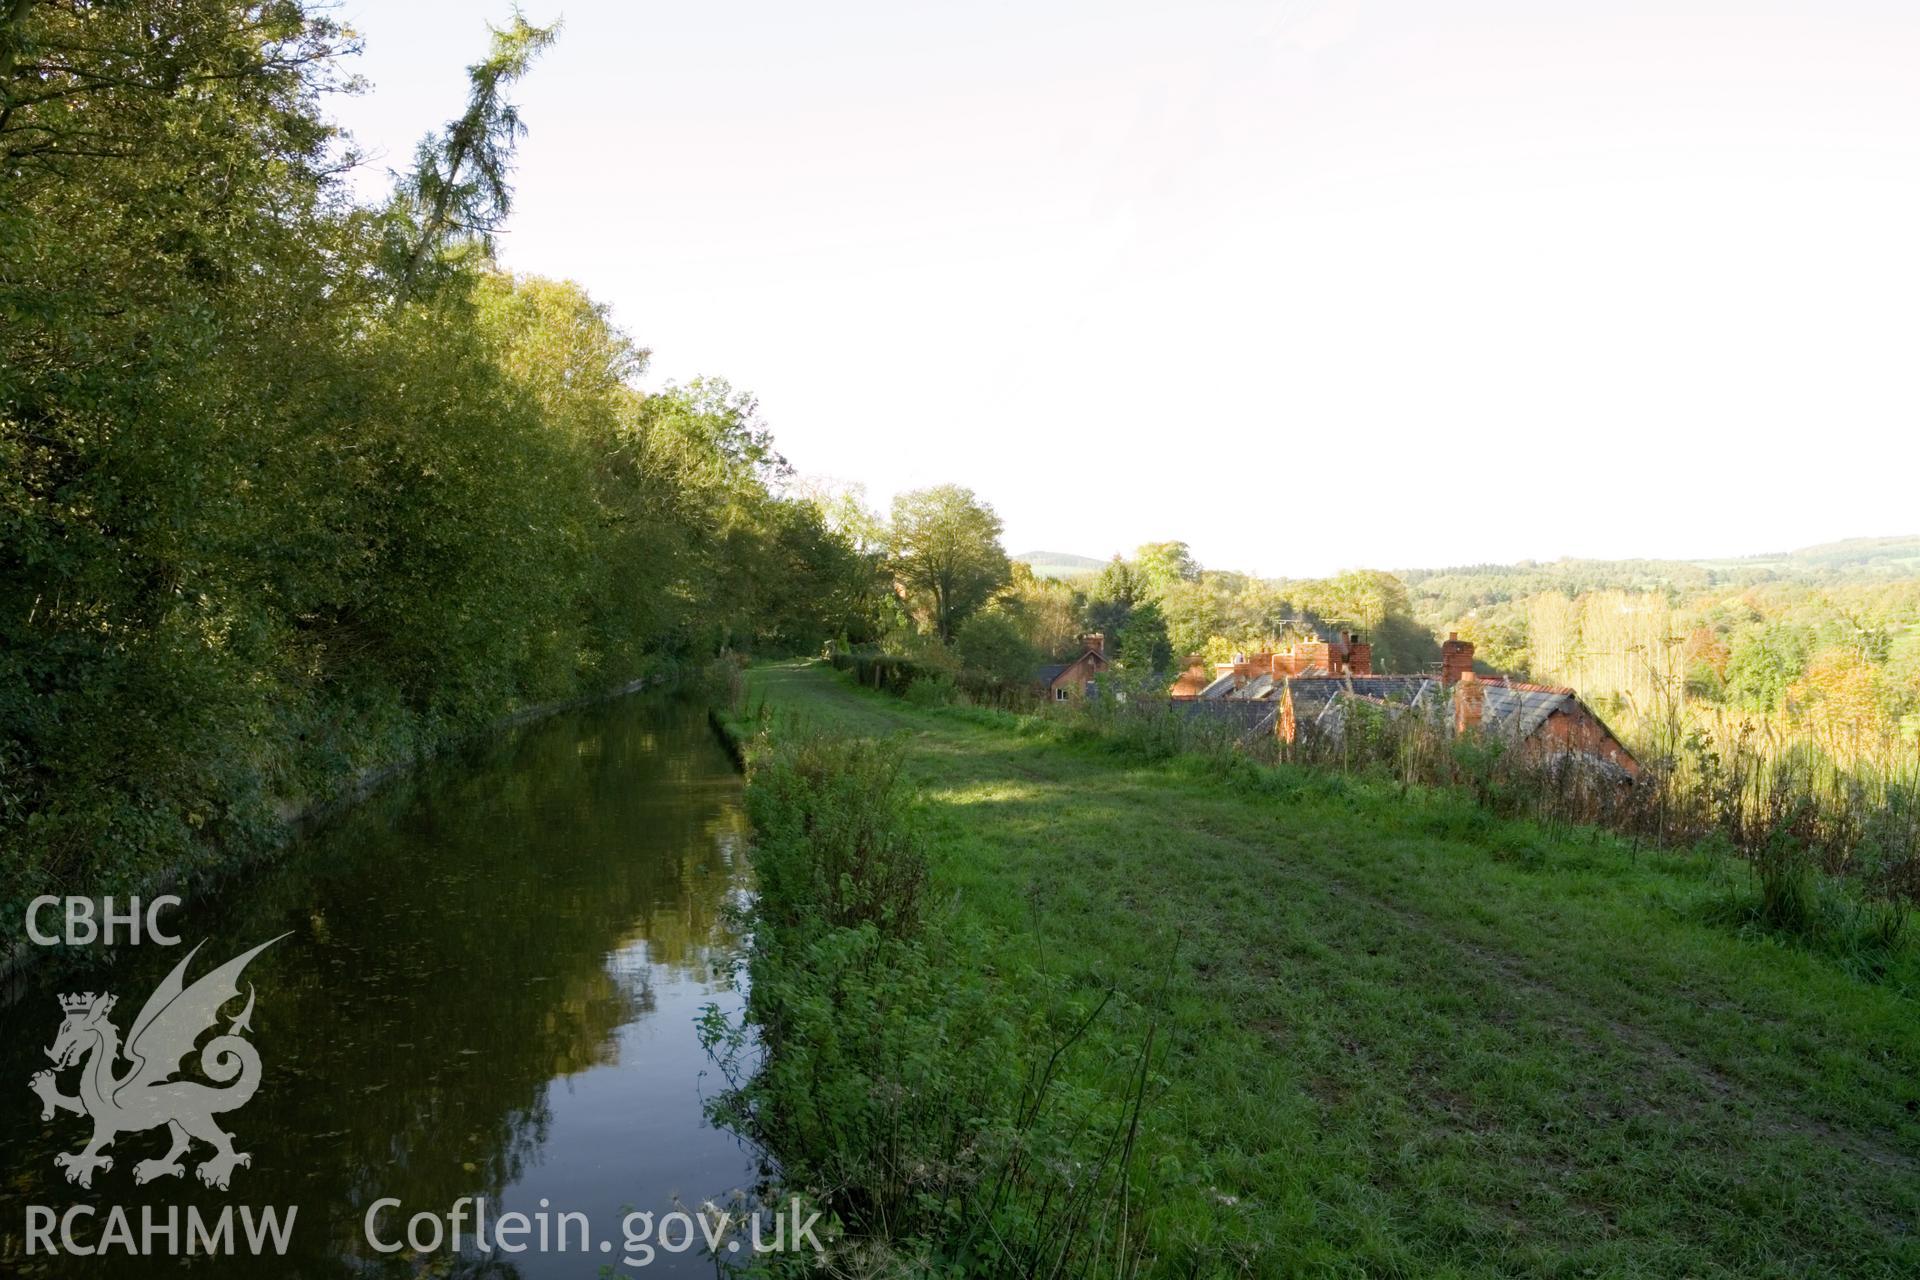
[1074, 679]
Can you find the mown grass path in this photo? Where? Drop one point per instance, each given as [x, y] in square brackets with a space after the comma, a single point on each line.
[1402, 1038]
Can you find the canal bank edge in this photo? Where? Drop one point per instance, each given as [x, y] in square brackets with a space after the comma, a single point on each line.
[18, 954]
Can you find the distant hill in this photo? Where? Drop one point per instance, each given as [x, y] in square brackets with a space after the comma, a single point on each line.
[1440, 597]
[1896, 556]
[1853, 559]
[1058, 564]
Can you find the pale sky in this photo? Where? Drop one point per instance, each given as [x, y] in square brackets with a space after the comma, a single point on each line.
[1307, 285]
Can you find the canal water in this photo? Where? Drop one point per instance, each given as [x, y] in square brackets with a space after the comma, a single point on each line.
[489, 987]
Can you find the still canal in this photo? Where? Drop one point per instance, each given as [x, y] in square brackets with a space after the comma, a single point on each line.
[489, 988]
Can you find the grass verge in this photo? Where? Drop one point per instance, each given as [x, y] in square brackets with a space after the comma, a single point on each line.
[1284, 1022]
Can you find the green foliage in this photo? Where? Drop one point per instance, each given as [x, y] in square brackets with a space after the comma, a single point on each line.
[833, 845]
[936, 690]
[268, 522]
[925, 681]
[1112, 597]
[1160, 566]
[1195, 612]
[945, 552]
[1200, 610]
[887, 672]
[1763, 664]
[459, 189]
[1046, 611]
[913, 1097]
[992, 644]
[1377, 605]
[1143, 648]
[1751, 634]
[1787, 897]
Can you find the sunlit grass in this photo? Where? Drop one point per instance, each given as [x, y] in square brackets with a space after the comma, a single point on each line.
[1400, 1035]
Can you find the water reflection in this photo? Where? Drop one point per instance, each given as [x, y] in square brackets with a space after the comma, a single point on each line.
[489, 990]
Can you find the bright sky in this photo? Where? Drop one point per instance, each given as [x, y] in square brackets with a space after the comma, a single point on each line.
[1307, 285]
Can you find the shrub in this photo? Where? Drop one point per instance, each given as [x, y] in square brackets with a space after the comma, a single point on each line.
[898, 673]
[911, 1094]
[937, 690]
[832, 841]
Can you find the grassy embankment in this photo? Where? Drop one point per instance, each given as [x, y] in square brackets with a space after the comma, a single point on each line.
[1386, 1034]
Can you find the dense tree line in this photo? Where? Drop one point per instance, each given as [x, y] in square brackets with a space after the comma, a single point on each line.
[291, 487]
[1821, 646]
[1158, 609]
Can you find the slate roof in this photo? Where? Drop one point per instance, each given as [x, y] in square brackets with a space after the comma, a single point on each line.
[1247, 718]
[1511, 707]
[1259, 688]
[1222, 687]
[1519, 709]
[1313, 696]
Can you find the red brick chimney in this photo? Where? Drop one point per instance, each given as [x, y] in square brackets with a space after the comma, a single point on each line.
[1456, 658]
[1095, 642]
[1469, 702]
[1359, 657]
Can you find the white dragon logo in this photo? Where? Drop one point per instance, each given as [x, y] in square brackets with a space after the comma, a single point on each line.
[172, 1020]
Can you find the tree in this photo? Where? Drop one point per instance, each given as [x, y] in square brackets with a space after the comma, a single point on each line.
[946, 555]
[1194, 611]
[459, 187]
[1763, 663]
[1046, 609]
[1706, 656]
[267, 520]
[13, 36]
[1839, 699]
[1378, 605]
[1143, 648]
[1217, 650]
[844, 508]
[1115, 592]
[991, 643]
[1160, 566]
